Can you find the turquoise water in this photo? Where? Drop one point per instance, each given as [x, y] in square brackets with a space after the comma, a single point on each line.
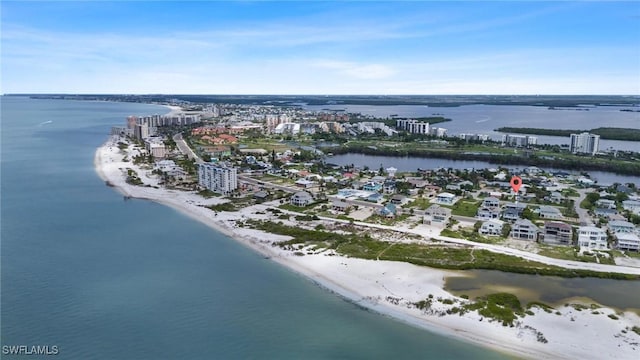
[102, 278]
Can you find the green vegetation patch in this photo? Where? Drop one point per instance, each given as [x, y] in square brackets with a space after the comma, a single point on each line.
[541, 305]
[436, 256]
[465, 208]
[503, 307]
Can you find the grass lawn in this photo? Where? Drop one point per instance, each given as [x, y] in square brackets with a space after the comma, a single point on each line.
[465, 208]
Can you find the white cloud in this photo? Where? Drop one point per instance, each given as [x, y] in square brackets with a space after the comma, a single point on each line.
[357, 70]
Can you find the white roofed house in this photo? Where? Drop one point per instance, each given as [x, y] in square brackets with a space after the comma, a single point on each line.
[628, 241]
[484, 213]
[524, 229]
[301, 198]
[549, 212]
[445, 198]
[606, 204]
[592, 238]
[437, 215]
[631, 205]
[618, 226]
[491, 203]
[491, 227]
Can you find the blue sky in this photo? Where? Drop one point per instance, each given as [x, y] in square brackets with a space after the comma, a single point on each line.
[330, 47]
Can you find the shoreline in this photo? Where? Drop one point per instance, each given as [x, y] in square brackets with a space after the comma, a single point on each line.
[366, 283]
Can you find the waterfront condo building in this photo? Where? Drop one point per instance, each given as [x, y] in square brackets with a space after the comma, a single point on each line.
[584, 143]
[218, 177]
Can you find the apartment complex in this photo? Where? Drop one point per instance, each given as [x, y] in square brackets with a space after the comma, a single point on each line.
[584, 143]
[519, 140]
[218, 177]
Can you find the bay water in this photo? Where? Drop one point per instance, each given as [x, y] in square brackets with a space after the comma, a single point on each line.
[104, 278]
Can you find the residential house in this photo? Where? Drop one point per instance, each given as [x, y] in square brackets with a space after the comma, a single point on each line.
[549, 212]
[491, 227]
[628, 241]
[511, 214]
[340, 205]
[608, 213]
[375, 197]
[606, 204]
[398, 199]
[618, 226]
[389, 186]
[557, 233]
[304, 183]
[491, 203]
[524, 229]
[437, 215]
[556, 197]
[485, 213]
[445, 198]
[372, 186]
[592, 238]
[389, 210]
[260, 195]
[631, 205]
[517, 206]
[301, 198]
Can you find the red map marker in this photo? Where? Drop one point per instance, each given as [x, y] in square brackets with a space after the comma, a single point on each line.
[516, 182]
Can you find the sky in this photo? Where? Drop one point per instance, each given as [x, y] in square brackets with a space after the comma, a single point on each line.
[331, 47]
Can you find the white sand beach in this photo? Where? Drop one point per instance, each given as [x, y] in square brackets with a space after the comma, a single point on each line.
[391, 288]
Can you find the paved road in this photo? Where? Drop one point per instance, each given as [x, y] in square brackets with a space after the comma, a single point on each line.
[583, 214]
[185, 149]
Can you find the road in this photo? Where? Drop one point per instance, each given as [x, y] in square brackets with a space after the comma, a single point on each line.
[185, 149]
[583, 214]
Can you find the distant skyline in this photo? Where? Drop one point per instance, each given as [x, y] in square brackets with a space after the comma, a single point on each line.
[381, 48]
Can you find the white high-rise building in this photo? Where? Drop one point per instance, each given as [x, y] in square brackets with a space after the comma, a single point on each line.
[218, 178]
[585, 143]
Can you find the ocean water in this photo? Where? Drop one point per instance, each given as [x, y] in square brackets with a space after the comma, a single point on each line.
[104, 278]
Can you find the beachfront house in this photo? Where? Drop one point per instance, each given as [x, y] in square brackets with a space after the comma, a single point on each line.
[592, 238]
[445, 198]
[485, 213]
[301, 198]
[524, 229]
[340, 205]
[436, 215]
[628, 241]
[491, 227]
[389, 210]
[557, 233]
